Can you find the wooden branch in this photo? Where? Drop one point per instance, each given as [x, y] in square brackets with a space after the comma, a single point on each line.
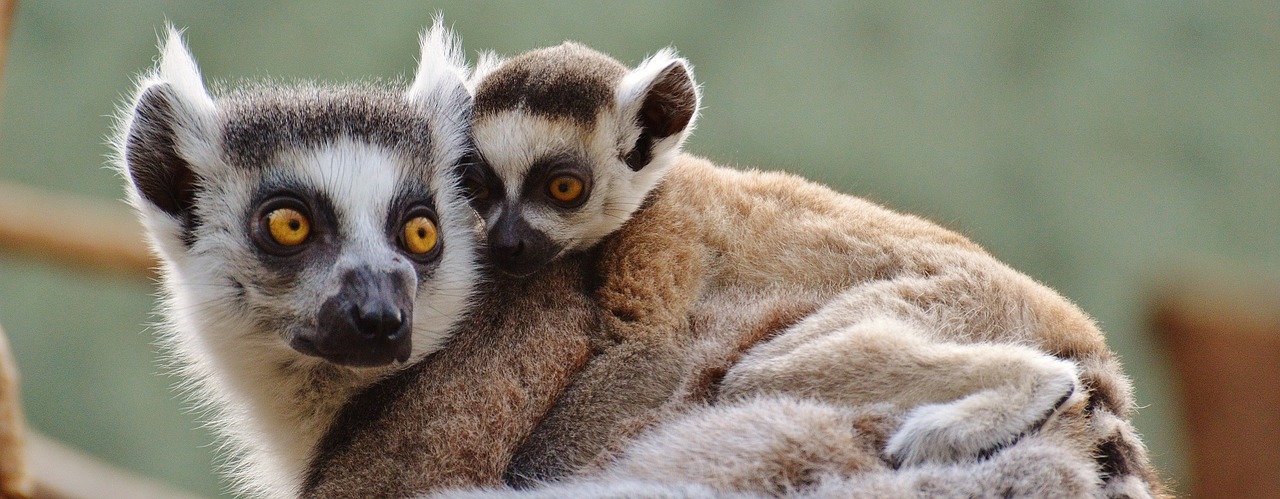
[64, 472]
[35, 466]
[7, 9]
[65, 229]
[1223, 335]
[71, 230]
[15, 481]
[88, 234]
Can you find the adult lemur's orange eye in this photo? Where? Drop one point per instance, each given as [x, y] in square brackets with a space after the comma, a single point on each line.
[288, 227]
[565, 188]
[420, 235]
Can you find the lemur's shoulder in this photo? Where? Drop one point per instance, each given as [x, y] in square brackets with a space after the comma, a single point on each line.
[711, 225]
[771, 199]
[654, 266]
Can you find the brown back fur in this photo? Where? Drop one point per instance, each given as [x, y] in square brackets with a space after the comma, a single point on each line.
[751, 253]
[456, 418]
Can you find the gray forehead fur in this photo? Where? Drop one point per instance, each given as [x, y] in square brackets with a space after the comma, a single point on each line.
[566, 81]
[261, 121]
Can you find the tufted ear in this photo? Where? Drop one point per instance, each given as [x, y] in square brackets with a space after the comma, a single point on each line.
[663, 98]
[487, 63]
[441, 72]
[166, 131]
[439, 85]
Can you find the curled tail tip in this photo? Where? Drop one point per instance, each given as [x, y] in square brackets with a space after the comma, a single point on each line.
[1124, 466]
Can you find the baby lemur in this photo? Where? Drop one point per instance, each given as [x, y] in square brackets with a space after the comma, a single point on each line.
[575, 149]
[313, 240]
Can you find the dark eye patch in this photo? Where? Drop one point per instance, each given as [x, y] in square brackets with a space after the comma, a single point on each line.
[534, 189]
[281, 272]
[480, 183]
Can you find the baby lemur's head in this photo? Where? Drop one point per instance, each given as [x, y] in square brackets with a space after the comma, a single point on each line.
[302, 222]
[569, 144]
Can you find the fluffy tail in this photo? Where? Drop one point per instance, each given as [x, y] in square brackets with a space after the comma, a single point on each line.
[14, 480]
[1125, 469]
[1121, 457]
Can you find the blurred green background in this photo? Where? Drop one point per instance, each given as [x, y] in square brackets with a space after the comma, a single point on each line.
[1095, 145]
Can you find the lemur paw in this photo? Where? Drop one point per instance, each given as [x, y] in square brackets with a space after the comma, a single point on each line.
[981, 424]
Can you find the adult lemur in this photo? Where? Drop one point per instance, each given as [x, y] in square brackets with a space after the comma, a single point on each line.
[313, 240]
[876, 306]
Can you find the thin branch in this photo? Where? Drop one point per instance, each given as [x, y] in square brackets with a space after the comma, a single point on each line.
[15, 480]
[63, 471]
[71, 230]
[7, 9]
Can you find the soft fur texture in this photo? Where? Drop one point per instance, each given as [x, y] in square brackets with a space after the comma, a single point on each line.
[782, 446]
[807, 342]
[199, 168]
[456, 418]
[906, 312]
[925, 320]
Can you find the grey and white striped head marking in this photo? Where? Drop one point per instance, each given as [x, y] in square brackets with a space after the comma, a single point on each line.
[569, 143]
[315, 221]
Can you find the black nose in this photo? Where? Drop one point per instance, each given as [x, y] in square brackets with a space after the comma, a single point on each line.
[366, 323]
[516, 248]
[506, 246]
[378, 320]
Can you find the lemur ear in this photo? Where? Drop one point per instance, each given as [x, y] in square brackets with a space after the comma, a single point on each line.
[487, 63]
[160, 174]
[664, 97]
[442, 71]
[440, 86]
[166, 131]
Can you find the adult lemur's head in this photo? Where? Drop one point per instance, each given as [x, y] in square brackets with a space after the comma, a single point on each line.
[305, 221]
[570, 142]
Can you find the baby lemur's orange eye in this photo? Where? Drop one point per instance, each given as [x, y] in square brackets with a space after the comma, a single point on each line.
[420, 235]
[475, 190]
[565, 188]
[288, 227]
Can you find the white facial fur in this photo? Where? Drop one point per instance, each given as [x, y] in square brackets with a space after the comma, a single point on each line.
[229, 310]
[515, 141]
